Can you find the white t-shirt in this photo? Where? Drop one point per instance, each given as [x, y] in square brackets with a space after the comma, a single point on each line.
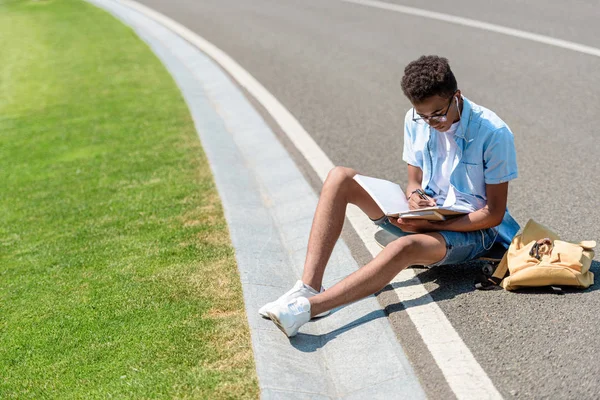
[446, 161]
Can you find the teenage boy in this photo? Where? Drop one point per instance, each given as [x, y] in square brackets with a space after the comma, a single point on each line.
[457, 153]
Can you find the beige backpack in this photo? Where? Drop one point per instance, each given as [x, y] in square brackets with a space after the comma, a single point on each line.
[537, 257]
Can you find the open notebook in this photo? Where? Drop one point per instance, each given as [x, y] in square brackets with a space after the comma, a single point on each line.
[390, 197]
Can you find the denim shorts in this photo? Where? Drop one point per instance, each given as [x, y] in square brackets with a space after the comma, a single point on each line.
[460, 246]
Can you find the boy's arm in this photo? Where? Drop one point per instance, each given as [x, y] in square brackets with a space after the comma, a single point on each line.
[489, 216]
[415, 180]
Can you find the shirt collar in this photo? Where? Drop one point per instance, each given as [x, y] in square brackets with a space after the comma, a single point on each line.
[465, 118]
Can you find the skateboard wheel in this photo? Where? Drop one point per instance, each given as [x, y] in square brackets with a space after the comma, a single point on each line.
[488, 270]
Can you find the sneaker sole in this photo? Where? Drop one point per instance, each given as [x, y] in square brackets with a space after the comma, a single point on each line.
[323, 314]
[276, 322]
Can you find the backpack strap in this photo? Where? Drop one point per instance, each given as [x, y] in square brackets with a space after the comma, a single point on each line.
[501, 270]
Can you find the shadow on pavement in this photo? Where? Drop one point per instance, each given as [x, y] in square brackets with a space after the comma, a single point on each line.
[309, 343]
[453, 280]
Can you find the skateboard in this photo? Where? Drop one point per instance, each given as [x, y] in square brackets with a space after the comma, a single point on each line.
[491, 258]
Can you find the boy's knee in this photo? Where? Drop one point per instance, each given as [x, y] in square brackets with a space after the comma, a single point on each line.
[339, 176]
[419, 249]
[341, 173]
[406, 247]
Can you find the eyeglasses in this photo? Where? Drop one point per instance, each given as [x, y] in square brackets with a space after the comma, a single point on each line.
[433, 118]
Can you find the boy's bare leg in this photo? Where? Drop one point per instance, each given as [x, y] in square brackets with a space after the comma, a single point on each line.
[421, 249]
[339, 190]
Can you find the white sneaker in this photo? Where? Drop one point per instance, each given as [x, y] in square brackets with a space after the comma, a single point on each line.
[290, 317]
[299, 290]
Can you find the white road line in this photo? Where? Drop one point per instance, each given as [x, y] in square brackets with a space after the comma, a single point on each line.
[462, 372]
[472, 23]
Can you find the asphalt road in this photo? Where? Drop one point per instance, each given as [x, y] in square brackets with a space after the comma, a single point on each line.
[337, 67]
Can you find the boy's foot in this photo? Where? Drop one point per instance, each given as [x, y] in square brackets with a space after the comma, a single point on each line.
[290, 317]
[299, 290]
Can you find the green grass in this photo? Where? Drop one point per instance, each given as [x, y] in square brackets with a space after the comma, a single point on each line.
[117, 276]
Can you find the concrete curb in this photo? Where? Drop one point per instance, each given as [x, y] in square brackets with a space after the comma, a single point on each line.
[268, 205]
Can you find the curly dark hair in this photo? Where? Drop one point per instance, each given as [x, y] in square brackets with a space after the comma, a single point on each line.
[428, 76]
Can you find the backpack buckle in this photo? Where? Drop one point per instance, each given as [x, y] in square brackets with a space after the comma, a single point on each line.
[540, 248]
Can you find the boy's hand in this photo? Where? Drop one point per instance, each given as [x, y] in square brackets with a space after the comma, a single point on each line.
[411, 225]
[415, 201]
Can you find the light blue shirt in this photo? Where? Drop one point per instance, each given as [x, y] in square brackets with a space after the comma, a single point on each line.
[485, 152]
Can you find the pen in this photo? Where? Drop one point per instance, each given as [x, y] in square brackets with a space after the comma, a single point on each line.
[421, 194]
